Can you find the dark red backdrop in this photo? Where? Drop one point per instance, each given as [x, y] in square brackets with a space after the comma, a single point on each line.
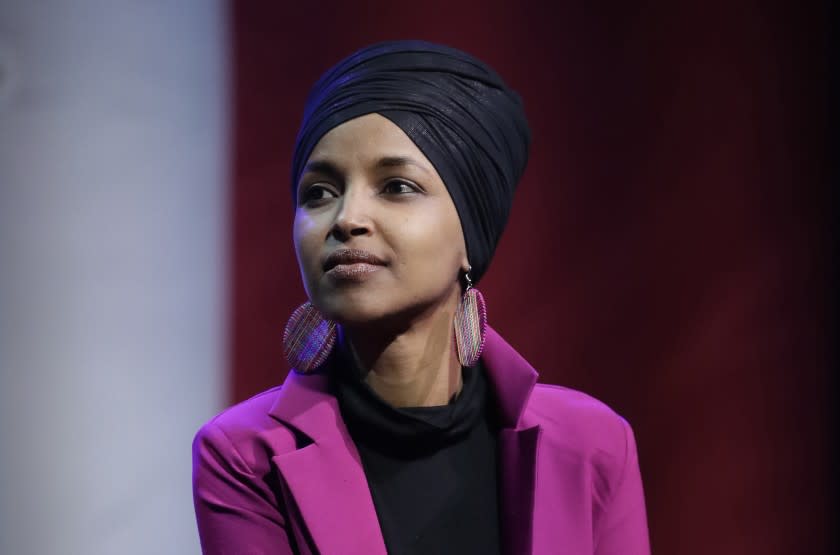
[665, 248]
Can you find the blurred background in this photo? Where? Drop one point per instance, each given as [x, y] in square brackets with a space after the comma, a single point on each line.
[669, 251]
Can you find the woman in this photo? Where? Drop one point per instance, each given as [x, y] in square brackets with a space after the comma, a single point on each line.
[408, 425]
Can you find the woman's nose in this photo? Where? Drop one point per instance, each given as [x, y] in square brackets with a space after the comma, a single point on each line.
[353, 217]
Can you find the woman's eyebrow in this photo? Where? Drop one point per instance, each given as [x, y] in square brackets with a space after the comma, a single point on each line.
[397, 161]
[324, 167]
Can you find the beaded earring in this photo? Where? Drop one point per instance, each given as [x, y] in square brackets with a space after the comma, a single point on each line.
[308, 338]
[470, 324]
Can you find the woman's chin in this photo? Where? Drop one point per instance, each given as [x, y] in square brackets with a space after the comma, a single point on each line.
[372, 316]
[354, 313]
[378, 310]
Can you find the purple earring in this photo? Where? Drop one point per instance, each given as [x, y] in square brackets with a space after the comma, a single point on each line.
[308, 339]
[470, 325]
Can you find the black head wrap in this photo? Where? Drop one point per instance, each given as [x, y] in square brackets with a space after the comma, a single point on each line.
[455, 108]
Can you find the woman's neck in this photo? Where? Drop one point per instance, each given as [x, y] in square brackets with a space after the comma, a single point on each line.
[415, 367]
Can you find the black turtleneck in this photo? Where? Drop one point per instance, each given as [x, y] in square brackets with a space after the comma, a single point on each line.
[431, 470]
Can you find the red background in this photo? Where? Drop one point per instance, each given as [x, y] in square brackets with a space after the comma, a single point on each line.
[665, 251]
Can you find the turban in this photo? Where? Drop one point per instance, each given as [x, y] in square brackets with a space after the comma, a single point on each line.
[455, 109]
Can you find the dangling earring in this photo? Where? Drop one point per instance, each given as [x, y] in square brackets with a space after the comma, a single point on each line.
[308, 338]
[470, 324]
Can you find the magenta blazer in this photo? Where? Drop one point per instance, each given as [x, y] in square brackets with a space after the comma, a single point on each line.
[279, 472]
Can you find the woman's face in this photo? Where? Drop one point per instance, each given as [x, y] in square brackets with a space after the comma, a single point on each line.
[376, 233]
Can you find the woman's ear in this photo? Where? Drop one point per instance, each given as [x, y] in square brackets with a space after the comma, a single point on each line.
[463, 274]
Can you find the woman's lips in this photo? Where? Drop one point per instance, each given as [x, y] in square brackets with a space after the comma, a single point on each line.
[356, 271]
[352, 264]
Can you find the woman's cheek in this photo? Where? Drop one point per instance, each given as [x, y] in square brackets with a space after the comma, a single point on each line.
[307, 248]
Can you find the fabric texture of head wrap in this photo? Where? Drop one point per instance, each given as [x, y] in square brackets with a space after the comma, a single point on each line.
[455, 108]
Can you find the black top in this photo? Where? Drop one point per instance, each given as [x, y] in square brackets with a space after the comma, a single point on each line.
[431, 470]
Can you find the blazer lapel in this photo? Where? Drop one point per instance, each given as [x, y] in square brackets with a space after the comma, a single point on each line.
[514, 380]
[518, 465]
[326, 478]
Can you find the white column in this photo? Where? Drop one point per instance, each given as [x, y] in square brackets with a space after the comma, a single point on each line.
[113, 171]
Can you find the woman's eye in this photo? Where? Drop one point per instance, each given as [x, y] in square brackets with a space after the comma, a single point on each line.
[316, 193]
[399, 187]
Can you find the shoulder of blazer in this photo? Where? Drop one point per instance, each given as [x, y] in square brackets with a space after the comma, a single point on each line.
[247, 429]
[578, 422]
[585, 444]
